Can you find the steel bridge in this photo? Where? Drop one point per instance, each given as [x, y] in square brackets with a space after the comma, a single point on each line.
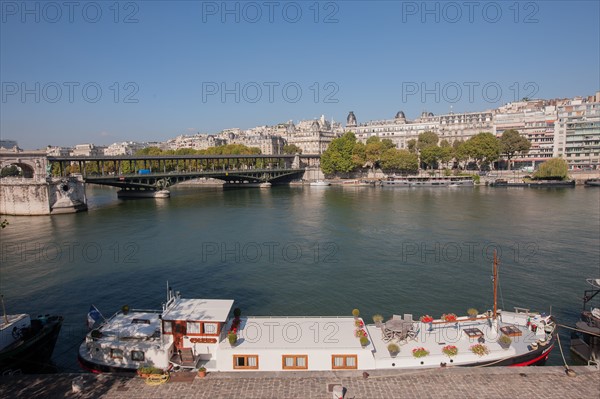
[158, 172]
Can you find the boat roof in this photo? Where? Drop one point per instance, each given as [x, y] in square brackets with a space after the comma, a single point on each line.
[199, 309]
[12, 318]
[135, 324]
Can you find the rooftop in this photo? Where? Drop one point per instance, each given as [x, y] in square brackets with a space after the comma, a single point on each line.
[199, 309]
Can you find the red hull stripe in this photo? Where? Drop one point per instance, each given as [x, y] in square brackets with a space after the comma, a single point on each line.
[533, 361]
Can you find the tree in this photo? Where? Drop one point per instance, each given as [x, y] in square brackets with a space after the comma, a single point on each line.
[359, 156]
[427, 139]
[412, 145]
[292, 149]
[552, 169]
[430, 155]
[339, 154]
[483, 148]
[511, 143]
[403, 161]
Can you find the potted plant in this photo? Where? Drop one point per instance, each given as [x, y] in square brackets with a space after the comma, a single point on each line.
[504, 341]
[472, 312]
[202, 372]
[359, 332]
[232, 337]
[394, 349]
[450, 350]
[355, 313]
[125, 309]
[479, 349]
[378, 319]
[364, 341]
[146, 371]
[450, 317]
[420, 352]
[359, 323]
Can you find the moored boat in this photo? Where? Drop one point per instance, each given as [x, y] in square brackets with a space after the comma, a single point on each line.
[320, 183]
[592, 182]
[27, 344]
[585, 340]
[419, 181]
[195, 333]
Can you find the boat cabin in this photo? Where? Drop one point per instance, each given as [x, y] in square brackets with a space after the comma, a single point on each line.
[194, 326]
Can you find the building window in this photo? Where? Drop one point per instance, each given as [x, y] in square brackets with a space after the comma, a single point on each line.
[193, 327]
[344, 361]
[211, 328]
[137, 356]
[116, 353]
[167, 327]
[294, 362]
[245, 362]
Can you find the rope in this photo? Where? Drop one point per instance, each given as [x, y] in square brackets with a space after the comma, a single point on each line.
[562, 354]
[157, 379]
[578, 330]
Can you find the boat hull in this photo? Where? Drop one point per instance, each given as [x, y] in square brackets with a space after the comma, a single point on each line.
[101, 368]
[34, 353]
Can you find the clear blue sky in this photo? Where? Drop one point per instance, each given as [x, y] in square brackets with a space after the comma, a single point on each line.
[371, 57]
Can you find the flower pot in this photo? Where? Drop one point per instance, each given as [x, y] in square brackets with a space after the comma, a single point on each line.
[394, 354]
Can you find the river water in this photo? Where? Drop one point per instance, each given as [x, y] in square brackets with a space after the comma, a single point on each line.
[307, 251]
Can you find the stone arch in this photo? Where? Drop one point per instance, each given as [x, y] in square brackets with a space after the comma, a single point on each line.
[27, 171]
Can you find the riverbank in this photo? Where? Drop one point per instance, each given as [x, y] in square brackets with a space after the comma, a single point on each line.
[494, 382]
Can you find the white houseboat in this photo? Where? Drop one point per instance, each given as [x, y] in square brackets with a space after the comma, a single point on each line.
[426, 181]
[195, 333]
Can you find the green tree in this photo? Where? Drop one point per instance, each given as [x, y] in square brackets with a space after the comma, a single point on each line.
[511, 143]
[484, 148]
[359, 154]
[446, 153]
[403, 161]
[292, 149]
[375, 148]
[430, 155]
[552, 169]
[338, 156]
[427, 139]
[411, 145]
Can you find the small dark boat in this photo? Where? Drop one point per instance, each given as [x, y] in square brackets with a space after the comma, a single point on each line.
[585, 341]
[27, 344]
[592, 182]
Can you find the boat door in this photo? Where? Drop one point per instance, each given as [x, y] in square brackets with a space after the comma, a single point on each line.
[179, 331]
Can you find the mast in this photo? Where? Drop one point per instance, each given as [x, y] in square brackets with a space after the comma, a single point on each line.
[4, 309]
[495, 278]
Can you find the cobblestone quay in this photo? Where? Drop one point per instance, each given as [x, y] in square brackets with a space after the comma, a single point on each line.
[526, 382]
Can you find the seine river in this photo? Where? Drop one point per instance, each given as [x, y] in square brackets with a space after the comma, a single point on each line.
[307, 251]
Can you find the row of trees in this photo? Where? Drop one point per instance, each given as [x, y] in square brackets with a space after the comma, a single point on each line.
[346, 154]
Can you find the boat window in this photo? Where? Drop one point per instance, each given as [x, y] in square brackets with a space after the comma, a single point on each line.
[211, 328]
[137, 356]
[140, 321]
[343, 361]
[167, 327]
[294, 362]
[116, 353]
[245, 361]
[193, 327]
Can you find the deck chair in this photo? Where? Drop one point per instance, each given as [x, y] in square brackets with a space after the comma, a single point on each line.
[396, 317]
[408, 317]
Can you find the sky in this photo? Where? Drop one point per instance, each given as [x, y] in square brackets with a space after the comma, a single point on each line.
[107, 71]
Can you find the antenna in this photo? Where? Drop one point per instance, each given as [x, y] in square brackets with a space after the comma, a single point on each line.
[495, 278]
